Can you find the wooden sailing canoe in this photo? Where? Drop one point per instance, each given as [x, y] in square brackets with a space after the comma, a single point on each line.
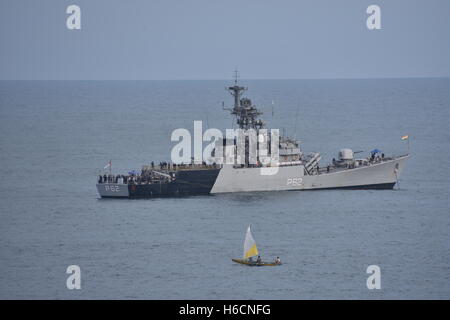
[254, 264]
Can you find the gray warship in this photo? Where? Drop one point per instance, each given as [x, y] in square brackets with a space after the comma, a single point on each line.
[294, 169]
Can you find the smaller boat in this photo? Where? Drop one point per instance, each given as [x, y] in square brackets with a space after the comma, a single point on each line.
[254, 263]
[251, 251]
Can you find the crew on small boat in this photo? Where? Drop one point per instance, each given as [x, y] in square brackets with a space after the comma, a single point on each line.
[277, 260]
[258, 260]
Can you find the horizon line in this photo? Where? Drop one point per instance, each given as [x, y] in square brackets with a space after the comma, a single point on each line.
[242, 79]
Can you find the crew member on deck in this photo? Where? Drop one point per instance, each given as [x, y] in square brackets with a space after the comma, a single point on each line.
[258, 260]
[277, 260]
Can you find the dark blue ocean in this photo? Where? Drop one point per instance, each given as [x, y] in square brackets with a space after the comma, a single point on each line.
[56, 137]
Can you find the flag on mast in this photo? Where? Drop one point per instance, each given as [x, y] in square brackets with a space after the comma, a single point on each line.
[108, 165]
[405, 137]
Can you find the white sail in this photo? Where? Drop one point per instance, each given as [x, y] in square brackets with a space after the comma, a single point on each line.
[250, 249]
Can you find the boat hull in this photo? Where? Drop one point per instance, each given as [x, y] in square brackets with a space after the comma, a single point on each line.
[382, 175]
[254, 264]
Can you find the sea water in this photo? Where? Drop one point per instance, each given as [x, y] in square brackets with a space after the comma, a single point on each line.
[56, 137]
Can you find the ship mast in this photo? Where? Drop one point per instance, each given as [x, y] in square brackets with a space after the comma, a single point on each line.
[246, 113]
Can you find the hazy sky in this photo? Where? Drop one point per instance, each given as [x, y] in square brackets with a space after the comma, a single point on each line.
[207, 39]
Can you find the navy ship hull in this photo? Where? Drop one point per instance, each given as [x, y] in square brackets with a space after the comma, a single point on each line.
[180, 190]
[227, 179]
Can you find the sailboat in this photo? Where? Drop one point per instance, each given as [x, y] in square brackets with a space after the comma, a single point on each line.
[251, 251]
